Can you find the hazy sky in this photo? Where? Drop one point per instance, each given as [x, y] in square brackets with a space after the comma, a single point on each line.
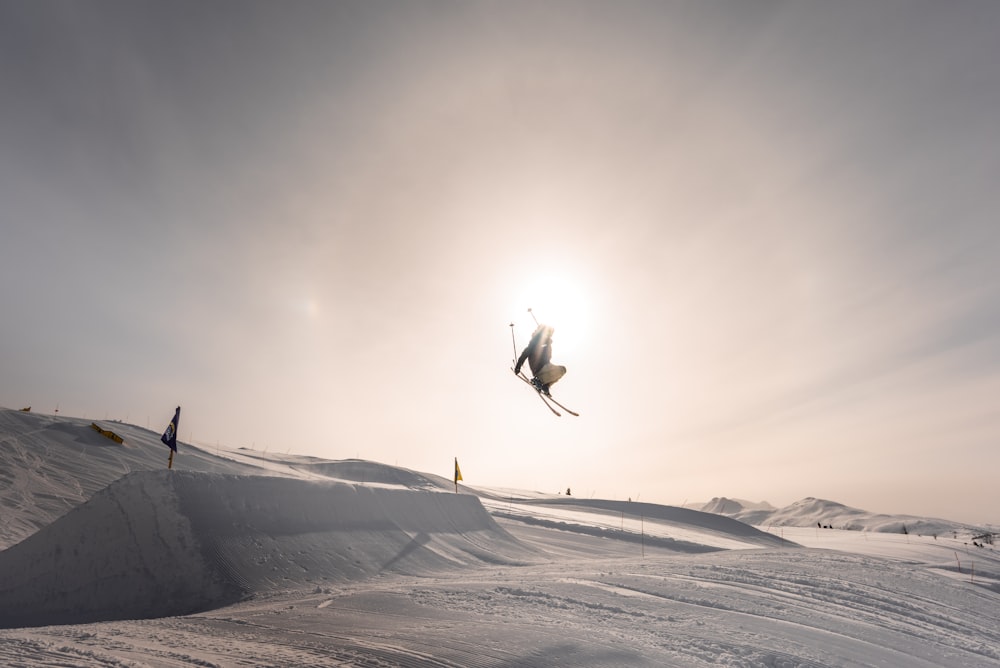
[765, 232]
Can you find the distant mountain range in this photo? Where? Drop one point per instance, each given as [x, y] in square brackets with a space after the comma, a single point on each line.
[825, 514]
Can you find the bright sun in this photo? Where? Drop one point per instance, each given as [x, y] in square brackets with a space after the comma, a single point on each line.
[556, 301]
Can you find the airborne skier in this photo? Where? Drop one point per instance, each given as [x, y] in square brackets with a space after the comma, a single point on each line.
[538, 353]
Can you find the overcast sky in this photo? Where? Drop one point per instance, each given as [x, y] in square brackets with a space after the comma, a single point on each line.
[765, 232]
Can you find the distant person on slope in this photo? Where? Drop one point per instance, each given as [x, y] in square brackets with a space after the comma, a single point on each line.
[539, 353]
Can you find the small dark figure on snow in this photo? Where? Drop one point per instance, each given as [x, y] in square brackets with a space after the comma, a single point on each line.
[538, 353]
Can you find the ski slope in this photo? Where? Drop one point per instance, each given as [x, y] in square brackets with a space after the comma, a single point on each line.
[241, 558]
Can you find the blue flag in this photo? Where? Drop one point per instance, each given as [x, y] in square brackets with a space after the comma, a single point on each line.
[170, 435]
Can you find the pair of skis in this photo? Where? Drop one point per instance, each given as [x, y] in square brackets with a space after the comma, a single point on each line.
[546, 398]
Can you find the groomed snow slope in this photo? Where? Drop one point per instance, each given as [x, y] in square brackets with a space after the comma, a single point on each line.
[394, 569]
[166, 543]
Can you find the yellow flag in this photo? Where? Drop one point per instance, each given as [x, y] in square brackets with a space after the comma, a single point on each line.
[458, 471]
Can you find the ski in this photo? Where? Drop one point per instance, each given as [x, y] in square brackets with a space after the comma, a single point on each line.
[540, 395]
[546, 398]
[549, 398]
[546, 402]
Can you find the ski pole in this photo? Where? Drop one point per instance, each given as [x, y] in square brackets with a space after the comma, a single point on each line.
[512, 341]
[533, 317]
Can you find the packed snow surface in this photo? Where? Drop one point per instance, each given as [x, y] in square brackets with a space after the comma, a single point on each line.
[242, 558]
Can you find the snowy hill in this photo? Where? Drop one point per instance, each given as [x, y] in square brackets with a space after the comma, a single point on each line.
[52, 464]
[720, 505]
[247, 558]
[356, 470]
[678, 529]
[205, 540]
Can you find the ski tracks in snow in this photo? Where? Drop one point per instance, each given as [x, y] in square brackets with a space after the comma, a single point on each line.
[780, 608]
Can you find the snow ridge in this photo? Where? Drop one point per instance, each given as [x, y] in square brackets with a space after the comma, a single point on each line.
[811, 512]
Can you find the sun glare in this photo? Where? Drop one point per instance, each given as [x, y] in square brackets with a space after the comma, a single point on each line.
[557, 301]
[307, 306]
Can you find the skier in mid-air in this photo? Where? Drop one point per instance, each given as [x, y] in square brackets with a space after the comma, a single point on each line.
[538, 353]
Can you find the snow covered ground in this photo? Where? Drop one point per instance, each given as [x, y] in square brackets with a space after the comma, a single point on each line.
[243, 558]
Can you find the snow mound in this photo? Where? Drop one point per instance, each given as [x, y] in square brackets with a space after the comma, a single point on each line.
[682, 529]
[366, 472]
[165, 543]
[52, 464]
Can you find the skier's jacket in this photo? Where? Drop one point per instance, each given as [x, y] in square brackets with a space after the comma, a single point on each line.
[538, 352]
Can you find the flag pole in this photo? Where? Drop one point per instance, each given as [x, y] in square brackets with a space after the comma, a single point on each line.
[170, 462]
